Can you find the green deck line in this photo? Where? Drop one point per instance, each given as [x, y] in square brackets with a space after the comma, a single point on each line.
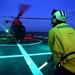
[37, 54]
[34, 69]
[16, 56]
[23, 44]
[11, 56]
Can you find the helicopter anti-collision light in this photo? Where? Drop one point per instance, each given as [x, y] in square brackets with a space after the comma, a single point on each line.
[7, 31]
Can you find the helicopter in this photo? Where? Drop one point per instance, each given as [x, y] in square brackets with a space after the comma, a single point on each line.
[17, 30]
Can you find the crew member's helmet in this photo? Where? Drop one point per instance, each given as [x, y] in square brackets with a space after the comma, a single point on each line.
[58, 15]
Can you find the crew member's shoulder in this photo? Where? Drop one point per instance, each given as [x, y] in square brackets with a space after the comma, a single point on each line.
[52, 30]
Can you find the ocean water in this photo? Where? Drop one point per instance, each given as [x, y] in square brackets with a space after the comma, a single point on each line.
[33, 33]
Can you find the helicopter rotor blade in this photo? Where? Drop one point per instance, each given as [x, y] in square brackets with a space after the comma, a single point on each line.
[36, 18]
[23, 8]
[9, 16]
[28, 18]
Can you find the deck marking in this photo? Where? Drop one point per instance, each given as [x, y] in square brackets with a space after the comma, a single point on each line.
[37, 54]
[10, 56]
[34, 69]
[15, 56]
[23, 44]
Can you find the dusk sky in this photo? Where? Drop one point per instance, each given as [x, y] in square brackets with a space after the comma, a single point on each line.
[38, 9]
